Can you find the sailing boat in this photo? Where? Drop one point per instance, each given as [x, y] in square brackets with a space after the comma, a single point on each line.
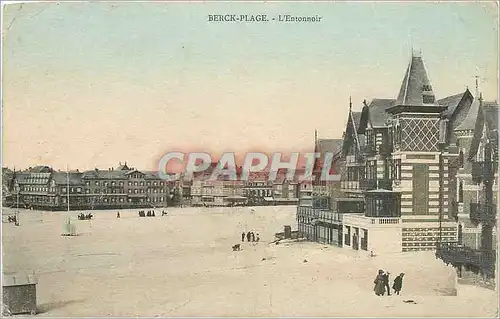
[69, 229]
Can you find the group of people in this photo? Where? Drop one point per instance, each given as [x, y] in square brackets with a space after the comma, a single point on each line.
[12, 219]
[250, 237]
[82, 216]
[382, 283]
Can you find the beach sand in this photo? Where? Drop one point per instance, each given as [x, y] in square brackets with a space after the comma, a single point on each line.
[183, 265]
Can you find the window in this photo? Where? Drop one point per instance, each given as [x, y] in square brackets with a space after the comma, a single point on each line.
[135, 183]
[121, 183]
[78, 189]
[142, 183]
[113, 183]
[397, 169]
[96, 183]
[63, 189]
[87, 183]
[155, 184]
[129, 183]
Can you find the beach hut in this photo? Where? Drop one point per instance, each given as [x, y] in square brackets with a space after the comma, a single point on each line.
[69, 229]
[19, 294]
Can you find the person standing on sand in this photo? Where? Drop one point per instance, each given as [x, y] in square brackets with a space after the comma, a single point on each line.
[398, 283]
[258, 238]
[249, 236]
[379, 283]
[386, 283]
[243, 236]
[118, 215]
[253, 237]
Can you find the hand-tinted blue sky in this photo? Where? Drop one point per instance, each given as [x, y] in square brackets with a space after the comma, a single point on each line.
[95, 83]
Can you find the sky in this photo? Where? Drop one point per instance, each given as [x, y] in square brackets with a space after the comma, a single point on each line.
[92, 84]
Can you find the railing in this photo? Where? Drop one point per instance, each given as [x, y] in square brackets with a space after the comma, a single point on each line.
[361, 219]
[385, 221]
[483, 261]
[385, 183]
[483, 213]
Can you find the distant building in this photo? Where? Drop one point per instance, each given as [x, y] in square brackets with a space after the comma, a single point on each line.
[43, 188]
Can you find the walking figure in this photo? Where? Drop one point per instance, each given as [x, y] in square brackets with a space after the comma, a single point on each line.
[386, 283]
[398, 283]
[243, 236]
[118, 215]
[379, 283]
[249, 236]
[258, 238]
[253, 237]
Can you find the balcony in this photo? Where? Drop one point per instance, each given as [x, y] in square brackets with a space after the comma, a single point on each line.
[385, 184]
[483, 213]
[360, 220]
[482, 261]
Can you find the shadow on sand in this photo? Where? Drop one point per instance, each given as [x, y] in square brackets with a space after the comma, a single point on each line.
[49, 306]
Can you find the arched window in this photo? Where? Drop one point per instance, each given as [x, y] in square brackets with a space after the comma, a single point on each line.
[461, 159]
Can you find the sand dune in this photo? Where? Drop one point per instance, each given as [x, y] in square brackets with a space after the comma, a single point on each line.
[182, 265]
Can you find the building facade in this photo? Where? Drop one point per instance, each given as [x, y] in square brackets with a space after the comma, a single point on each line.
[43, 188]
[402, 158]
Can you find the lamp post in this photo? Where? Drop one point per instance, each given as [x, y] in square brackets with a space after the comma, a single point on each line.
[18, 189]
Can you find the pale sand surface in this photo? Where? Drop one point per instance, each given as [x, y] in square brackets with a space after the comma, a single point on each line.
[183, 265]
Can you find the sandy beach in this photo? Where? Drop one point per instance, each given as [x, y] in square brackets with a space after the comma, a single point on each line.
[183, 265]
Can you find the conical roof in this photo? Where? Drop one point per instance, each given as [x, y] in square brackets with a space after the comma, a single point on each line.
[416, 89]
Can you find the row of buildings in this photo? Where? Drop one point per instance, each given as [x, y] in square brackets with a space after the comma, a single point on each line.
[43, 188]
[418, 173]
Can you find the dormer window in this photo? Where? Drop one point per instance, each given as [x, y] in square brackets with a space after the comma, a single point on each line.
[428, 99]
[427, 88]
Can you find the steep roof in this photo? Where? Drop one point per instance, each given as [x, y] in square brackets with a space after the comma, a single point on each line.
[351, 133]
[377, 115]
[487, 118]
[328, 145]
[104, 174]
[451, 102]
[41, 169]
[469, 122]
[415, 85]
[61, 178]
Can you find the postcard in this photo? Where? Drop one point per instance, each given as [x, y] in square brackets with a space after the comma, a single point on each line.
[250, 159]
